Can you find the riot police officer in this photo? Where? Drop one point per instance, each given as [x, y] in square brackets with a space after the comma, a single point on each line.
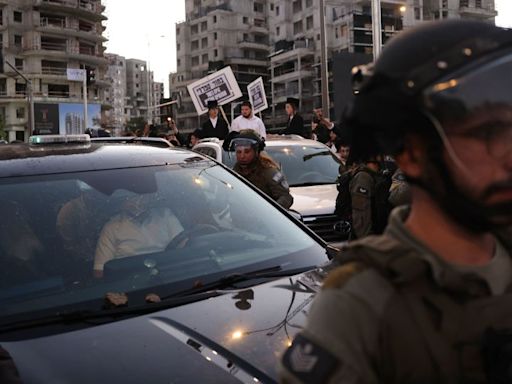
[429, 300]
[259, 168]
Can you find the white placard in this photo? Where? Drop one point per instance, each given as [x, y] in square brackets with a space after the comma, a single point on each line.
[75, 74]
[221, 86]
[257, 96]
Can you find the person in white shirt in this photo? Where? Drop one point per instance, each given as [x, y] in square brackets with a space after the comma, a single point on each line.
[247, 120]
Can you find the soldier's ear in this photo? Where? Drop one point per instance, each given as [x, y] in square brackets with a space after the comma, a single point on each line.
[413, 157]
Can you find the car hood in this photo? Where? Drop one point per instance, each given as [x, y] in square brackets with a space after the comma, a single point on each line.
[239, 335]
[314, 200]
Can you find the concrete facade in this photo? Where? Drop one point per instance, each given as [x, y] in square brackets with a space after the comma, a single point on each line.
[43, 38]
[115, 119]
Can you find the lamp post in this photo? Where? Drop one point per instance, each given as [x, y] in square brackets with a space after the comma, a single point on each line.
[377, 28]
[324, 64]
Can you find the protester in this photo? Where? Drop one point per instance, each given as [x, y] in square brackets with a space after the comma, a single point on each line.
[247, 120]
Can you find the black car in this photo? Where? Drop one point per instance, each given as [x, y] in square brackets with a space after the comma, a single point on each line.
[136, 264]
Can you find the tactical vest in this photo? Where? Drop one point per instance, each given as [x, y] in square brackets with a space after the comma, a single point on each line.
[429, 334]
[380, 198]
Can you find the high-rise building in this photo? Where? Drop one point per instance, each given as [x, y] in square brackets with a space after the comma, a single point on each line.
[115, 118]
[217, 34]
[74, 124]
[42, 39]
[295, 32]
[139, 95]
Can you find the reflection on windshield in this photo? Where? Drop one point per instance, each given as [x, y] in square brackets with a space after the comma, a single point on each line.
[71, 238]
[305, 165]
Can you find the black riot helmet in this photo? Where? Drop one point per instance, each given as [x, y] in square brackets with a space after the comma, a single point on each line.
[248, 138]
[430, 81]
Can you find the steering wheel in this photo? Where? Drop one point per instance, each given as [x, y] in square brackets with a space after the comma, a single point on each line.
[310, 175]
[183, 238]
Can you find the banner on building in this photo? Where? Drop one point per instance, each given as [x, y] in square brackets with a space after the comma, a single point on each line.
[74, 74]
[65, 118]
[257, 96]
[221, 86]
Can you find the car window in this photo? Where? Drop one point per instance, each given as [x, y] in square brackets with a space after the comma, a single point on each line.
[306, 165]
[155, 229]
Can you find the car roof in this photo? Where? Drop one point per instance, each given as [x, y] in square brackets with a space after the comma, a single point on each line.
[154, 141]
[30, 160]
[272, 141]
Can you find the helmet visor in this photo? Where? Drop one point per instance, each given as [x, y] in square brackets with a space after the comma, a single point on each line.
[240, 143]
[476, 103]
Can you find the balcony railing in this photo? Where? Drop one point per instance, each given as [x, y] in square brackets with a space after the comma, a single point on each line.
[85, 5]
[53, 71]
[56, 23]
[58, 94]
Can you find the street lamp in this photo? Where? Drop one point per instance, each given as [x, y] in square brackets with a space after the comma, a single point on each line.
[377, 29]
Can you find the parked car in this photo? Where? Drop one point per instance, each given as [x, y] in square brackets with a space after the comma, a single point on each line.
[207, 279]
[311, 170]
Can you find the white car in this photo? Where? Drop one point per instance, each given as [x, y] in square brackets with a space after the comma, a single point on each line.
[311, 170]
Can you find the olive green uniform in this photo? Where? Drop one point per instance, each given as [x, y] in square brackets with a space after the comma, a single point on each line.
[362, 191]
[400, 191]
[394, 312]
[269, 180]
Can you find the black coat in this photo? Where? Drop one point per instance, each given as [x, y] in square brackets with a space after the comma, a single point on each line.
[295, 126]
[207, 129]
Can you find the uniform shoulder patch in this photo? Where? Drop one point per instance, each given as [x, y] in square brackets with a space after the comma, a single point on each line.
[308, 361]
[340, 276]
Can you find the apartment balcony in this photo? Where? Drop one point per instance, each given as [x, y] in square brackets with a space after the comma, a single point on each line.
[259, 26]
[292, 54]
[63, 28]
[293, 74]
[79, 8]
[251, 44]
[475, 9]
[54, 71]
[241, 60]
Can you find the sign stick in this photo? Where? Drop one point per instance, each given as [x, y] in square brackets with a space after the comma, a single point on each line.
[224, 116]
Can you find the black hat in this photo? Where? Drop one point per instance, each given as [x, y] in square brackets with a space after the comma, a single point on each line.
[293, 101]
[213, 104]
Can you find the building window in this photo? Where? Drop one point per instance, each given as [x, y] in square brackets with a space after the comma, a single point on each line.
[214, 19]
[204, 26]
[258, 7]
[271, 6]
[194, 29]
[195, 61]
[18, 63]
[177, 31]
[20, 135]
[297, 27]
[277, 10]
[204, 59]
[417, 13]
[309, 3]
[204, 42]
[178, 46]
[245, 20]
[20, 113]
[136, 85]
[318, 37]
[215, 52]
[18, 41]
[297, 6]
[309, 23]
[214, 35]
[18, 16]
[278, 31]
[1, 17]
[195, 45]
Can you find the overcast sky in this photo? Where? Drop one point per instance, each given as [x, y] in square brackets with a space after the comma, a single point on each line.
[146, 28]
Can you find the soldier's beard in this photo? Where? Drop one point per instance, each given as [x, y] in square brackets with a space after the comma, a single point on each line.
[470, 212]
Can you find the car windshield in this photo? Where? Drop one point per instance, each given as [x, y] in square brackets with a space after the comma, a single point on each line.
[68, 239]
[302, 165]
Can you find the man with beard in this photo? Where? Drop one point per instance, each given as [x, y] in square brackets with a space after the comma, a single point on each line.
[247, 120]
[429, 300]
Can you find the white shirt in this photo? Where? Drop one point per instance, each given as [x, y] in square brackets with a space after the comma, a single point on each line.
[214, 121]
[252, 122]
[124, 237]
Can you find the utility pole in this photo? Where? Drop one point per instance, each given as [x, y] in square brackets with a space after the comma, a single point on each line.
[30, 97]
[324, 64]
[85, 101]
[377, 29]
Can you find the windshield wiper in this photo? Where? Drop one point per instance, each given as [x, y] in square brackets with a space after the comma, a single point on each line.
[198, 293]
[233, 278]
[310, 156]
[312, 183]
[113, 314]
